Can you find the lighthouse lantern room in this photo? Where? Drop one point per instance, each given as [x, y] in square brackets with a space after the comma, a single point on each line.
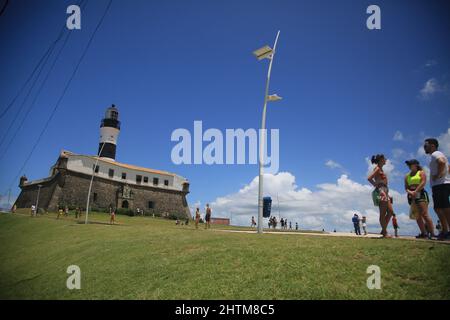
[109, 132]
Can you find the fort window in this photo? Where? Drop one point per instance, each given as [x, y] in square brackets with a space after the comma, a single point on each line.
[95, 197]
[151, 204]
[125, 204]
[124, 175]
[155, 181]
[145, 179]
[97, 168]
[166, 182]
[138, 178]
[111, 173]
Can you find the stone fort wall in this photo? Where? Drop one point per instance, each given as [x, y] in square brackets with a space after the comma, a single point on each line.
[70, 188]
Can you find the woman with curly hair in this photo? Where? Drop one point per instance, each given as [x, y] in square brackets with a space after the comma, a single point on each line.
[381, 193]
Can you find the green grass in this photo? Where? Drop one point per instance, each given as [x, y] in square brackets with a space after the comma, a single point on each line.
[146, 258]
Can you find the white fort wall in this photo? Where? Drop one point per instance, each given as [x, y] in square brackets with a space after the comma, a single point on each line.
[84, 164]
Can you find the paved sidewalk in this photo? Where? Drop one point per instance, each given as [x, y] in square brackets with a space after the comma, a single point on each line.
[332, 234]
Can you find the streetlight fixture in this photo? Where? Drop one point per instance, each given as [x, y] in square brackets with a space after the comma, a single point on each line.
[90, 184]
[265, 52]
[37, 200]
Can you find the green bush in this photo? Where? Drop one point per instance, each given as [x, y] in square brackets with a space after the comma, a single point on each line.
[124, 211]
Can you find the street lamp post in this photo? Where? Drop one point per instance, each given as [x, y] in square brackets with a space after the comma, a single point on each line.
[37, 200]
[264, 53]
[90, 184]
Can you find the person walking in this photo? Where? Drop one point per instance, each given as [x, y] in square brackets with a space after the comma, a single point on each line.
[112, 218]
[197, 217]
[415, 182]
[296, 226]
[355, 221]
[60, 213]
[380, 195]
[364, 224]
[440, 184]
[395, 224]
[66, 211]
[33, 210]
[253, 222]
[208, 217]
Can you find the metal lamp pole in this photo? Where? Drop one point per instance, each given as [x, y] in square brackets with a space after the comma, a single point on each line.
[37, 200]
[90, 184]
[262, 140]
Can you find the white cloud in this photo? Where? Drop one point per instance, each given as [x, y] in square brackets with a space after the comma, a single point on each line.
[330, 206]
[431, 87]
[444, 145]
[334, 165]
[398, 136]
[398, 153]
[430, 63]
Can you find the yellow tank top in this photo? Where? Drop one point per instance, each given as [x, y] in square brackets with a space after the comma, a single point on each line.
[415, 179]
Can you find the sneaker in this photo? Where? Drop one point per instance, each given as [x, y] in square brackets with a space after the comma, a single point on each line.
[441, 236]
[421, 236]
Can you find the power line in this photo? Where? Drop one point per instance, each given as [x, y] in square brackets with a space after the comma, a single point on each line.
[50, 48]
[41, 67]
[83, 4]
[64, 91]
[35, 98]
[26, 83]
[4, 7]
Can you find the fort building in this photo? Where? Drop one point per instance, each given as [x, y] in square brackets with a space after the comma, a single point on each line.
[115, 184]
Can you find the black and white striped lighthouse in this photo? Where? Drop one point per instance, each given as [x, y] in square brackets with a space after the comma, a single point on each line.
[109, 132]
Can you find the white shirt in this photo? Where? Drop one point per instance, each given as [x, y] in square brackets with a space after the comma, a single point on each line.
[434, 169]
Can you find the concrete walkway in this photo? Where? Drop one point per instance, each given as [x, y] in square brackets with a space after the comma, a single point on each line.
[332, 234]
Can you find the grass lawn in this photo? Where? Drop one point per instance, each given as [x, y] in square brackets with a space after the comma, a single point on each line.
[147, 258]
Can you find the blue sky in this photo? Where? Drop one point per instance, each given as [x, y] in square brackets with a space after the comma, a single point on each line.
[347, 90]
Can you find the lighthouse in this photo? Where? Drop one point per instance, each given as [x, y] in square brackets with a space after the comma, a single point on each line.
[109, 132]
